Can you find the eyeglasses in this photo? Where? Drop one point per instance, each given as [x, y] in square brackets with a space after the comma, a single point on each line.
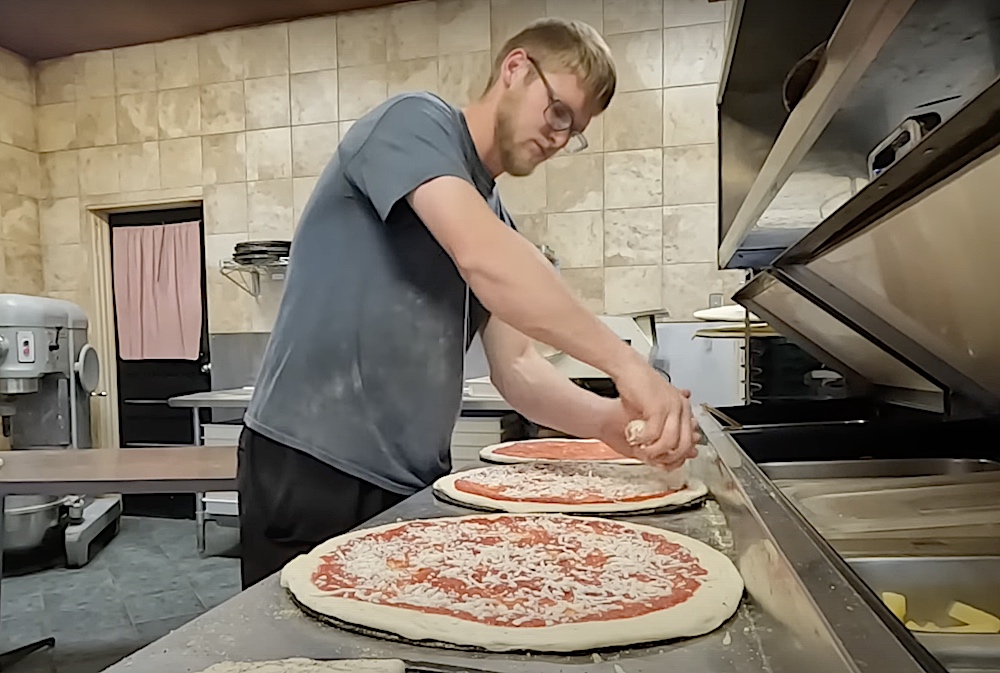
[558, 115]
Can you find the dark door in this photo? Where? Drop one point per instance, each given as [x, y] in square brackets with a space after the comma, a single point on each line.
[144, 386]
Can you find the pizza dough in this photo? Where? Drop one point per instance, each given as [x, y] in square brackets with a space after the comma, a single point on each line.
[532, 450]
[298, 665]
[578, 488]
[509, 582]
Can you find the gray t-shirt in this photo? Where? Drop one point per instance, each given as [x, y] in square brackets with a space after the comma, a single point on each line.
[364, 366]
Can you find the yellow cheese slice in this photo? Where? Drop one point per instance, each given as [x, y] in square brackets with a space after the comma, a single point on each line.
[896, 603]
[979, 620]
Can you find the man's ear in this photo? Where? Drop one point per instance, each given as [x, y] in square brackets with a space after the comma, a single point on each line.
[513, 63]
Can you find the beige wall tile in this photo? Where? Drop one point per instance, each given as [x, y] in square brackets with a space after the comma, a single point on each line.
[180, 112]
[264, 311]
[180, 162]
[575, 182]
[97, 74]
[312, 147]
[267, 102]
[590, 12]
[631, 16]
[639, 59]
[507, 17]
[22, 267]
[226, 209]
[59, 221]
[686, 287]
[20, 171]
[270, 207]
[269, 154]
[223, 108]
[689, 115]
[587, 285]
[135, 69]
[690, 233]
[312, 44]
[362, 37]
[65, 267]
[576, 238]
[630, 289]
[224, 158]
[463, 26]
[302, 189]
[532, 227]
[314, 96]
[412, 30]
[58, 80]
[633, 179]
[632, 237]
[220, 57]
[177, 63]
[96, 122]
[693, 54]
[265, 50]
[228, 306]
[139, 166]
[60, 174]
[527, 195]
[595, 135]
[17, 80]
[99, 170]
[56, 126]
[462, 77]
[417, 75]
[18, 218]
[690, 175]
[362, 88]
[137, 118]
[220, 247]
[690, 12]
[634, 121]
[17, 123]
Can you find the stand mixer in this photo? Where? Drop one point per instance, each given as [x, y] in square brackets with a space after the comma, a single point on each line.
[48, 373]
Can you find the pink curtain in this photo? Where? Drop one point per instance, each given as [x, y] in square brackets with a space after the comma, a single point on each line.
[157, 281]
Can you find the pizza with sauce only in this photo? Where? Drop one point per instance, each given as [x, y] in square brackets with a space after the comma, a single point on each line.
[519, 582]
[531, 450]
[571, 488]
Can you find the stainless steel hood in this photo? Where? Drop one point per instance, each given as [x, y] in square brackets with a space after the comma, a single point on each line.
[882, 62]
[900, 288]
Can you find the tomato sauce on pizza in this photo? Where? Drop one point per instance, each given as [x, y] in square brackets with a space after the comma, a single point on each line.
[513, 571]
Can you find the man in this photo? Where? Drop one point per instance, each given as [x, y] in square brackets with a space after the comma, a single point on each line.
[402, 255]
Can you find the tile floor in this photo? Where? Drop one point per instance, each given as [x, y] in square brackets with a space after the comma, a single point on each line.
[148, 581]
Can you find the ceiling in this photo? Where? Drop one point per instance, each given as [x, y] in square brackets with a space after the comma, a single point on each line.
[41, 29]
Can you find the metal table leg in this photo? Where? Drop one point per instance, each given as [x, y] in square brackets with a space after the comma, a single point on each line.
[199, 497]
[8, 659]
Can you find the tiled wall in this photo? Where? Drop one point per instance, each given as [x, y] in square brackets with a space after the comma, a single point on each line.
[246, 119]
[20, 253]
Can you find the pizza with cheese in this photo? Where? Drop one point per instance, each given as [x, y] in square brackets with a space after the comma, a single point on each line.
[531, 450]
[516, 582]
[577, 488]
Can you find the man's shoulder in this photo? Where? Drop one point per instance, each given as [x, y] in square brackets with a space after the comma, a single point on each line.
[416, 103]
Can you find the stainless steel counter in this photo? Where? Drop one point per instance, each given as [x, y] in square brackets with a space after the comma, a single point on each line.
[800, 613]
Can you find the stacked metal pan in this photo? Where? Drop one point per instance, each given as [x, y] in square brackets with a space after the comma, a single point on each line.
[261, 252]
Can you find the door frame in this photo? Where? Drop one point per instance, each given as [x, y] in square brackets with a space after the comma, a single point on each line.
[104, 409]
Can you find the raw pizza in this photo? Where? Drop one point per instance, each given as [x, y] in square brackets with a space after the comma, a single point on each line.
[531, 450]
[577, 488]
[515, 582]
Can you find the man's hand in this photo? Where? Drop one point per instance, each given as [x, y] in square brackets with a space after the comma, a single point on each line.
[668, 434]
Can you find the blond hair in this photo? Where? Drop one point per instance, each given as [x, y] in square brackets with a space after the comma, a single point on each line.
[566, 46]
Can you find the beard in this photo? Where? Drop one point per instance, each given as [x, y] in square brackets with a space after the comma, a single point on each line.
[514, 161]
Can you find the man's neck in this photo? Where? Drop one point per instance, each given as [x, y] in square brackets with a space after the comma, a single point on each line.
[481, 118]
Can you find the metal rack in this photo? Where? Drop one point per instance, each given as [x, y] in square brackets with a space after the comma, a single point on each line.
[247, 276]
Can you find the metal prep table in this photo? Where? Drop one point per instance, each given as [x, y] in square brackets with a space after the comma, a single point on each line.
[100, 471]
[239, 398]
[803, 608]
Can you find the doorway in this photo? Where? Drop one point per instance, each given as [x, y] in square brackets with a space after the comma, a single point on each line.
[145, 385]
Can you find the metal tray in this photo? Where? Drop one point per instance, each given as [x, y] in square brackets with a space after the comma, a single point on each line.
[665, 509]
[930, 583]
[901, 467]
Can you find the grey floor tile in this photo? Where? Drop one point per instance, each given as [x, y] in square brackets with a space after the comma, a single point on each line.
[163, 605]
[20, 604]
[102, 623]
[81, 596]
[150, 631]
[212, 596]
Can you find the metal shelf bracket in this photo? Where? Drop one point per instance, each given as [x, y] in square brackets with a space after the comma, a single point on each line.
[248, 276]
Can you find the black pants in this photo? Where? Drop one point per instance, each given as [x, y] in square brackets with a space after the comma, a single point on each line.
[290, 502]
